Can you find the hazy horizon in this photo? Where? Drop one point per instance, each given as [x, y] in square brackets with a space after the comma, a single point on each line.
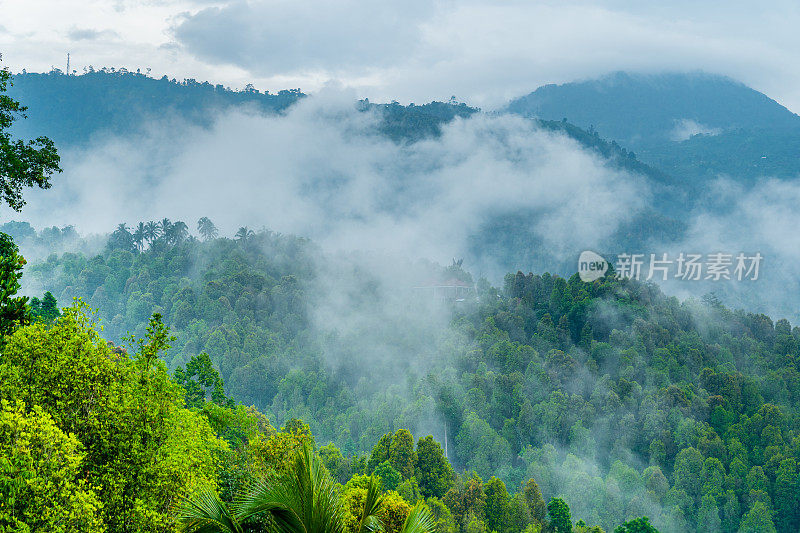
[482, 53]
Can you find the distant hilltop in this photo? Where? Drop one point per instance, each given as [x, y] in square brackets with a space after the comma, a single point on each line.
[690, 125]
[71, 109]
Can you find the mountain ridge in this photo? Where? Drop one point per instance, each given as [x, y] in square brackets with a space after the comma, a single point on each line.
[693, 126]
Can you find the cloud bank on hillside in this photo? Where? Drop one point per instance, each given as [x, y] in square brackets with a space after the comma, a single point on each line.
[323, 171]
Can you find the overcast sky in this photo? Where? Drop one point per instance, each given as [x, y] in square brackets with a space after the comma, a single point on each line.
[412, 50]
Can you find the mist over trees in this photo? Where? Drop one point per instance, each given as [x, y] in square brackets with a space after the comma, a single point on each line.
[619, 400]
[255, 381]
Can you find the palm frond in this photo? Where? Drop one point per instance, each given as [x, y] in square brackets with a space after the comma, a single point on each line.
[419, 520]
[273, 498]
[370, 520]
[205, 512]
[304, 500]
[320, 503]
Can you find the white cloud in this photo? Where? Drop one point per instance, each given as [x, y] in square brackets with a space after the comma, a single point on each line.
[489, 52]
[321, 171]
[482, 52]
[736, 218]
[90, 34]
[686, 128]
[288, 36]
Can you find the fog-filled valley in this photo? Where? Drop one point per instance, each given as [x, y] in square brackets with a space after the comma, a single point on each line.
[348, 278]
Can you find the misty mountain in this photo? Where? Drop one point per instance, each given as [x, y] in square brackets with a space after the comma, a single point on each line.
[620, 399]
[689, 125]
[84, 112]
[71, 110]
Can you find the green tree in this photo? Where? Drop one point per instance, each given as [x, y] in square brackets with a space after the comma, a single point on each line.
[757, 480]
[380, 452]
[45, 310]
[758, 520]
[655, 481]
[708, 515]
[731, 513]
[244, 234]
[560, 520]
[201, 380]
[402, 454]
[165, 227]
[207, 229]
[13, 308]
[408, 489]
[445, 523]
[177, 232]
[140, 236]
[336, 463]
[787, 496]
[638, 525]
[432, 470]
[498, 505]
[41, 485]
[473, 524]
[143, 450]
[303, 499]
[466, 497]
[121, 239]
[21, 164]
[535, 501]
[152, 231]
[688, 472]
[390, 478]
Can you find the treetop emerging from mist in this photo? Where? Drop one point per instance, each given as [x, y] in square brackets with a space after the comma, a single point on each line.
[22, 164]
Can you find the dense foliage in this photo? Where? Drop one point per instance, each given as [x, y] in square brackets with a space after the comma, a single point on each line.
[22, 164]
[596, 404]
[617, 399]
[96, 438]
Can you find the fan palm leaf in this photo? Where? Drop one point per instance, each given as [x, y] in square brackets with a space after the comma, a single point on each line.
[305, 500]
[419, 520]
[205, 512]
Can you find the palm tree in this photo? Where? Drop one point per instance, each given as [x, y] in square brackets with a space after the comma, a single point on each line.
[178, 232]
[152, 231]
[207, 229]
[121, 238]
[304, 500]
[139, 236]
[165, 225]
[244, 234]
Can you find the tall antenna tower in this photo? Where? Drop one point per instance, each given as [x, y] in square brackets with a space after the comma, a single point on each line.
[67, 63]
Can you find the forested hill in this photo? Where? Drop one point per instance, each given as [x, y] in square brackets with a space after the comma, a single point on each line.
[682, 127]
[622, 400]
[690, 125]
[75, 109]
[640, 109]
[72, 109]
